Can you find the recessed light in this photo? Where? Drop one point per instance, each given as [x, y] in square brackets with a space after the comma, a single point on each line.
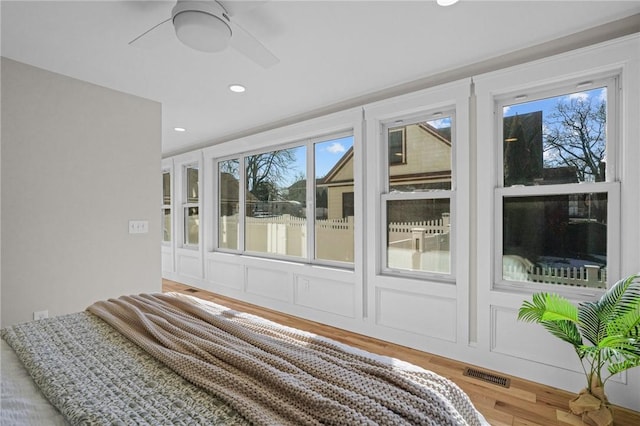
[237, 88]
[179, 129]
[447, 2]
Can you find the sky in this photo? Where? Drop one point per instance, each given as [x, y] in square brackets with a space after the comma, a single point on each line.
[546, 105]
[328, 153]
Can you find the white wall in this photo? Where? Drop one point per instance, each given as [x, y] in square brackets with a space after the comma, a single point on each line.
[78, 162]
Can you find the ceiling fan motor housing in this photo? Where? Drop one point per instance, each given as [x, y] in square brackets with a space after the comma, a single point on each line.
[203, 26]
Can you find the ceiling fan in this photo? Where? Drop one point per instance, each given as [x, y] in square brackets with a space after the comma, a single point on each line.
[206, 26]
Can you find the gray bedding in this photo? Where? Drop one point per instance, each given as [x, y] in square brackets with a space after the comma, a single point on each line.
[93, 374]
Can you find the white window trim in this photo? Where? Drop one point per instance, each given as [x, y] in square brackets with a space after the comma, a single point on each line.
[181, 162]
[187, 205]
[214, 205]
[388, 195]
[606, 59]
[168, 206]
[341, 123]
[609, 79]
[449, 99]
[612, 189]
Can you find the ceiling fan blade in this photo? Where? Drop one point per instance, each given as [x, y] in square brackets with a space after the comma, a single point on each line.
[235, 7]
[155, 36]
[249, 46]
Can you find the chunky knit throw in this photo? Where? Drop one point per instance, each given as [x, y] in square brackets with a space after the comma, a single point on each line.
[273, 374]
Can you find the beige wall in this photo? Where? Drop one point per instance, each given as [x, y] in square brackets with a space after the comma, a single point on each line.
[78, 162]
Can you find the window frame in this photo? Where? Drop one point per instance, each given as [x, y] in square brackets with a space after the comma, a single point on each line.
[387, 194]
[309, 145]
[610, 186]
[167, 206]
[186, 204]
[216, 205]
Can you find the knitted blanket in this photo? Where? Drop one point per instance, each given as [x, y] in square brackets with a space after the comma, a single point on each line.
[273, 374]
[93, 375]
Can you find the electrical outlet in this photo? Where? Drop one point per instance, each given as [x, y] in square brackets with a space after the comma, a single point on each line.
[38, 315]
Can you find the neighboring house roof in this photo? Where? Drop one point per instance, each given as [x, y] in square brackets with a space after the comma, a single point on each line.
[441, 135]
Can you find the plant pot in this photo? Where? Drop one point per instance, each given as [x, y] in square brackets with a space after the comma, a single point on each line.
[593, 405]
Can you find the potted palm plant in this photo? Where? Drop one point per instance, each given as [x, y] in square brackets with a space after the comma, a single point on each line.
[605, 335]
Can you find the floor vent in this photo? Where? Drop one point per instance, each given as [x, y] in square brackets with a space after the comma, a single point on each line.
[487, 377]
[190, 290]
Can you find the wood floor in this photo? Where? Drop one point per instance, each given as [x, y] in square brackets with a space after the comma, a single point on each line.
[524, 403]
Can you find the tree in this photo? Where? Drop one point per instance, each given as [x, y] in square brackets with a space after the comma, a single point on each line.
[574, 136]
[265, 172]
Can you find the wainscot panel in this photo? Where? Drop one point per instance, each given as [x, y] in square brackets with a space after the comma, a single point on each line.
[529, 341]
[336, 297]
[422, 314]
[269, 283]
[167, 261]
[189, 265]
[225, 274]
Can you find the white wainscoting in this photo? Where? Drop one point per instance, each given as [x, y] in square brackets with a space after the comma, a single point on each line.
[189, 263]
[167, 260]
[422, 314]
[529, 341]
[336, 297]
[270, 283]
[225, 274]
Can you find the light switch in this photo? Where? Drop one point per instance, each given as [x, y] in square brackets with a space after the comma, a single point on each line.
[138, 226]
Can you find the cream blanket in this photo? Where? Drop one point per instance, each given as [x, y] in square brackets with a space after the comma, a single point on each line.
[273, 374]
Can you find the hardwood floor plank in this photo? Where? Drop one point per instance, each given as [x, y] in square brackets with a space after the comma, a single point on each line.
[524, 403]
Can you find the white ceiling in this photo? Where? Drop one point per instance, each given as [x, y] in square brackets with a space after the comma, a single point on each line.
[330, 52]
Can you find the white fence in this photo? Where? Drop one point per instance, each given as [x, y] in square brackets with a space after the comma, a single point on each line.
[411, 242]
[587, 276]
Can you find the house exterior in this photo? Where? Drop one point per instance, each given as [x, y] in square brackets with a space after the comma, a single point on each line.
[413, 149]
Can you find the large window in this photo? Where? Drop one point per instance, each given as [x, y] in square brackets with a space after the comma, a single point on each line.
[417, 204]
[166, 206]
[557, 189]
[267, 204]
[191, 206]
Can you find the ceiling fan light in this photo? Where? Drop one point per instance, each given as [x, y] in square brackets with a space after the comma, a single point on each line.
[202, 31]
[446, 2]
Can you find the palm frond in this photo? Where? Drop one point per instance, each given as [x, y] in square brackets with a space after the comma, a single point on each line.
[565, 330]
[554, 313]
[559, 309]
[618, 367]
[627, 325]
[620, 298]
[592, 325]
[534, 310]
[611, 325]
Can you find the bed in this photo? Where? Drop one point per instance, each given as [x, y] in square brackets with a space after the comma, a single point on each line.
[170, 358]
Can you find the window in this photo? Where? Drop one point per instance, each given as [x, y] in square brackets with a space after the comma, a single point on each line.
[228, 203]
[283, 213]
[334, 224]
[557, 186]
[191, 206]
[166, 207]
[417, 205]
[275, 197]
